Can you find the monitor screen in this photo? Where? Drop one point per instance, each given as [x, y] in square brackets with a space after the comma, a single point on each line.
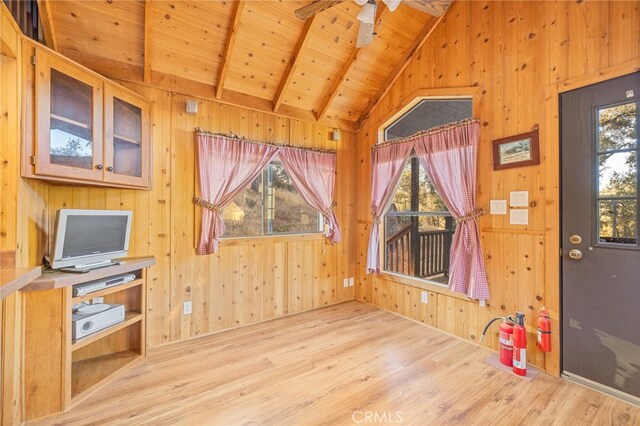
[85, 237]
[88, 235]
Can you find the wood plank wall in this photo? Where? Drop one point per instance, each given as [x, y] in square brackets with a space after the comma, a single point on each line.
[249, 280]
[514, 52]
[10, 307]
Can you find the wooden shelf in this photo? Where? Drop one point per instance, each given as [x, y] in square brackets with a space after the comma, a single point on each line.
[106, 291]
[129, 318]
[70, 121]
[126, 139]
[59, 372]
[13, 279]
[52, 280]
[92, 373]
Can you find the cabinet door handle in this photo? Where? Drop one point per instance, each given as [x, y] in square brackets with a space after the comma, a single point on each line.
[99, 166]
[109, 169]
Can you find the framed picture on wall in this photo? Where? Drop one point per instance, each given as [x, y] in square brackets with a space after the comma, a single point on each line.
[516, 151]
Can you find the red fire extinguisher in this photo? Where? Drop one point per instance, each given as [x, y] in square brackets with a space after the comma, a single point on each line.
[505, 337]
[544, 330]
[519, 346]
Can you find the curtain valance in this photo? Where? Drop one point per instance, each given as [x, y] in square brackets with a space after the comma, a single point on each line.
[228, 164]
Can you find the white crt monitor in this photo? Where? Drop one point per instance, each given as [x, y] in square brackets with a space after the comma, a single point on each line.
[86, 239]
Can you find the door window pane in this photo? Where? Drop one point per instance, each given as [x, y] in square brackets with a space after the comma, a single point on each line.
[617, 127]
[618, 174]
[618, 221]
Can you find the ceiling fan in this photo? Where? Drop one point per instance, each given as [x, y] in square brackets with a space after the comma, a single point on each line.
[367, 15]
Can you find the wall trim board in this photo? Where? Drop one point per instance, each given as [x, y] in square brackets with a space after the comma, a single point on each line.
[619, 70]
[421, 284]
[513, 231]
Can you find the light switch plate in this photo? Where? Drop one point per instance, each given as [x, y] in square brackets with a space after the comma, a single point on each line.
[519, 217]
[498, 207]
[519, 199]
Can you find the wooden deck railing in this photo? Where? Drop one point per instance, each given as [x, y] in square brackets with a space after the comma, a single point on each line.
[399, 257]
[432, 249]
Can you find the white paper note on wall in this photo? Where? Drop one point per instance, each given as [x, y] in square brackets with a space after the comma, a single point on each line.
[498, 207]
[519, 217]
[519, 199]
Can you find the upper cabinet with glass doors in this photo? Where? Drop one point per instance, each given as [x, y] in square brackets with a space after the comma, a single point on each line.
[88, 130]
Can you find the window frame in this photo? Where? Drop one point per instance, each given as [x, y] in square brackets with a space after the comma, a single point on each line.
[281, 236]
[472, 93]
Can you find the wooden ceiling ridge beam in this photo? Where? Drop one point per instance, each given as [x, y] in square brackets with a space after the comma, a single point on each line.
[228, 49]
[48, 28]
[148, 15]
[406, 59]
[346, 69]
[293, 63]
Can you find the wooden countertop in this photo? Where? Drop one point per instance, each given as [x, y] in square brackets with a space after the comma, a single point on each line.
[53, 280]
[14, 279]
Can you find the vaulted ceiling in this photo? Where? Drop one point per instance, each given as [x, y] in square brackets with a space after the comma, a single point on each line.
[254, 53]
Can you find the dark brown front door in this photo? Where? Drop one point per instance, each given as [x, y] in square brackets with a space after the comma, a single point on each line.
[600, 239]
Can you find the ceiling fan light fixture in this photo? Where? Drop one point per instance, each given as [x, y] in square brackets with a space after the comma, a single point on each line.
[368, 13]
[391, 4]
[361, 2]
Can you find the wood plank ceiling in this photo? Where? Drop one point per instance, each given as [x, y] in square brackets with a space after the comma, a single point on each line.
[253, 53]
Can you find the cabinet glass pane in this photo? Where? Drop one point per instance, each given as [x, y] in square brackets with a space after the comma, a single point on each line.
[70, 142]
[127, 137]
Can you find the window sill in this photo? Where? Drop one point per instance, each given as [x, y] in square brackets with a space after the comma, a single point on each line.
[271, 239]
[423, 284]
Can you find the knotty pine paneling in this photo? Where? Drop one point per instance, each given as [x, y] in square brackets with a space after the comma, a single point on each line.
[248, 280]
[515, 53]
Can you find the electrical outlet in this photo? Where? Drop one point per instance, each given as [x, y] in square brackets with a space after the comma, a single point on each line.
[97, 300]
[186, 308]
[345, 282]
[351, 282]
[425, 297]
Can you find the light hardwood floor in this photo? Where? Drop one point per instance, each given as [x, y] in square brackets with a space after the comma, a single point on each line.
[335, 366]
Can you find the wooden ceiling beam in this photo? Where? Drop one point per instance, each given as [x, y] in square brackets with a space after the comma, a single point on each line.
[346, 69]
[228, 49]
[418, 42]
[293, 64]
[46, 18]
[431, 7]
[148, 13]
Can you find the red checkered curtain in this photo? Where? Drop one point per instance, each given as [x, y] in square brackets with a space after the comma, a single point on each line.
[226, 166]
[449, 155]
[313, 174]
[387, 164]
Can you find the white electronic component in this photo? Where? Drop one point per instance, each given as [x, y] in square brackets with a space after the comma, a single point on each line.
[90, 287]
[91, 318]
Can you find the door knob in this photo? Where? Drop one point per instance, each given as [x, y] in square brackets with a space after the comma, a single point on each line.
[575, 239]
[575, 254]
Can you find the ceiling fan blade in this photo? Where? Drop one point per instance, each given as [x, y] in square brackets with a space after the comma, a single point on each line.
[365, 34]
[431, 7]
[316, 7]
